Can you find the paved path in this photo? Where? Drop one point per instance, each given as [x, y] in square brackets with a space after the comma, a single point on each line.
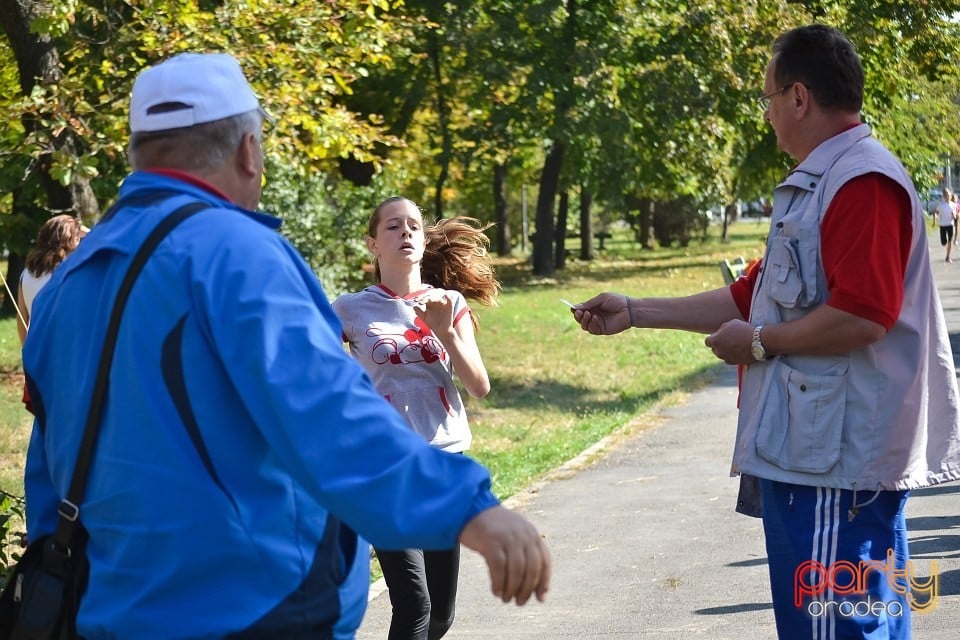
[646, 543]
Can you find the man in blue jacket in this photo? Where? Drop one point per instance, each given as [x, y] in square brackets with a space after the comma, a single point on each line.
[241, 447]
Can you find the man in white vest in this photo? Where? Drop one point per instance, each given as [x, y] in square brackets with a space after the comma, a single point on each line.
[849, 394]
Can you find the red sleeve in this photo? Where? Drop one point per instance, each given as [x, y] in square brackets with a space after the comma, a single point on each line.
[742, 291]
[459, 315]
[27, 404]
[865, 239]
[742, 288]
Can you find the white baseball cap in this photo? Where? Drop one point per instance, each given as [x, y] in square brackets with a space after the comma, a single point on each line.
[190, 89]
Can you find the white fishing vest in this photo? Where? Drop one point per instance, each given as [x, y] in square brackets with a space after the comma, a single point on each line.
[881, 417]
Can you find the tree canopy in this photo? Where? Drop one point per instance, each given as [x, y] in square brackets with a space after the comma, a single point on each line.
[458, 104]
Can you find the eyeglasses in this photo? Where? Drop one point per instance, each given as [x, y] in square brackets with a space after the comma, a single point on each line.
[764, 100]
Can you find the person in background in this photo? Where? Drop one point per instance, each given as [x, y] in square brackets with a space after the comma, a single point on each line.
[242, 450]
[57, 239]
[849, 396]
[946, 215]
[956, 218]
[411, 331]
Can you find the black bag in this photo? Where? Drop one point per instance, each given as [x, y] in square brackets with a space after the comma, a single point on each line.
[42, 597]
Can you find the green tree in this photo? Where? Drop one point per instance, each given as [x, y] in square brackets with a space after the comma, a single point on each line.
[69, 128]
[644, 108]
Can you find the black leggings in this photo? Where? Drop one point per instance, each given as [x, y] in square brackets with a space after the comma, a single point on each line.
[423, 591]
[946, 235]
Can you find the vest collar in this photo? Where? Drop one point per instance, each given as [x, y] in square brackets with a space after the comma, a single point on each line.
[807, 174]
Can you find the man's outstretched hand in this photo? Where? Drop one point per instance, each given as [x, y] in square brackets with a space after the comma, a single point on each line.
[516, 555]
[603, 315]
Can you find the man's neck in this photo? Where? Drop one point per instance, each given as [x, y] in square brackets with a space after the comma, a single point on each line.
[189, 178]
[820, 129]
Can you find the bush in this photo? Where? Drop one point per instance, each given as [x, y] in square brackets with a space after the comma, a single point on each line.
[326, 220]
[11, 534]
[679, 221]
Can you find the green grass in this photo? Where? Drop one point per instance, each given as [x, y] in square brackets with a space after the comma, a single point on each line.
[15, 422]
[555, 389]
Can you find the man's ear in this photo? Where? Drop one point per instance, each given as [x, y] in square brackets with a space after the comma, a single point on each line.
[249, 156]
[800, 95]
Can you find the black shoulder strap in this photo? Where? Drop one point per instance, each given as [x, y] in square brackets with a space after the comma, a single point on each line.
[69, 507]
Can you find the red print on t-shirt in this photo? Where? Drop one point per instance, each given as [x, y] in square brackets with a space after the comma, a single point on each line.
[419, 345]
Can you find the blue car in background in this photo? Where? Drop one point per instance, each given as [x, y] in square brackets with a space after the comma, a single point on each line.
[933, 199]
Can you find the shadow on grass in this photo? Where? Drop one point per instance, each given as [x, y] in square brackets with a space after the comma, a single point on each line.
[517, 273]
[608, 272]
[519, 393]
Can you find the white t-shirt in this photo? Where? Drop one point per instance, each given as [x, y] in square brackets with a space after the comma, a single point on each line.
[30, 285]
[946, 213]
[408, 365]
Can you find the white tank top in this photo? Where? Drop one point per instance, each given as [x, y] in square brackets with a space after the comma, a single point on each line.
[30, 285]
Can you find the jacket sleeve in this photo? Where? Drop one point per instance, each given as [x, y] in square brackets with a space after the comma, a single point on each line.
[41, 499]
[281, 343]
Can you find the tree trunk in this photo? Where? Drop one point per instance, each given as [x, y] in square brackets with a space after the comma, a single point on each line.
[586, 225]
[729, 212]
[38, 62]
[647, 208]
[543, 237]
[500, 209]
[543, 257]
[12, 276]
[443, 117]
[560, 257]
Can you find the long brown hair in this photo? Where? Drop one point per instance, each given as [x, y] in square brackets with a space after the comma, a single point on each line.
[455, 256]
[58, 236]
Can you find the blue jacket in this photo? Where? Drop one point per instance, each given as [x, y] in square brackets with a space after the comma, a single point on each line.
[241, 445]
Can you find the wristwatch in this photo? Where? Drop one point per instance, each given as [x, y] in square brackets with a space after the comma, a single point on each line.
[756, 347]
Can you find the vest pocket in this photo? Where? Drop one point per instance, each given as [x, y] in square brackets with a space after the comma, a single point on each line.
[802, 422]
[784, 268]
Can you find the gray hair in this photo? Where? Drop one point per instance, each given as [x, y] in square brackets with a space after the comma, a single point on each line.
[198, 148]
